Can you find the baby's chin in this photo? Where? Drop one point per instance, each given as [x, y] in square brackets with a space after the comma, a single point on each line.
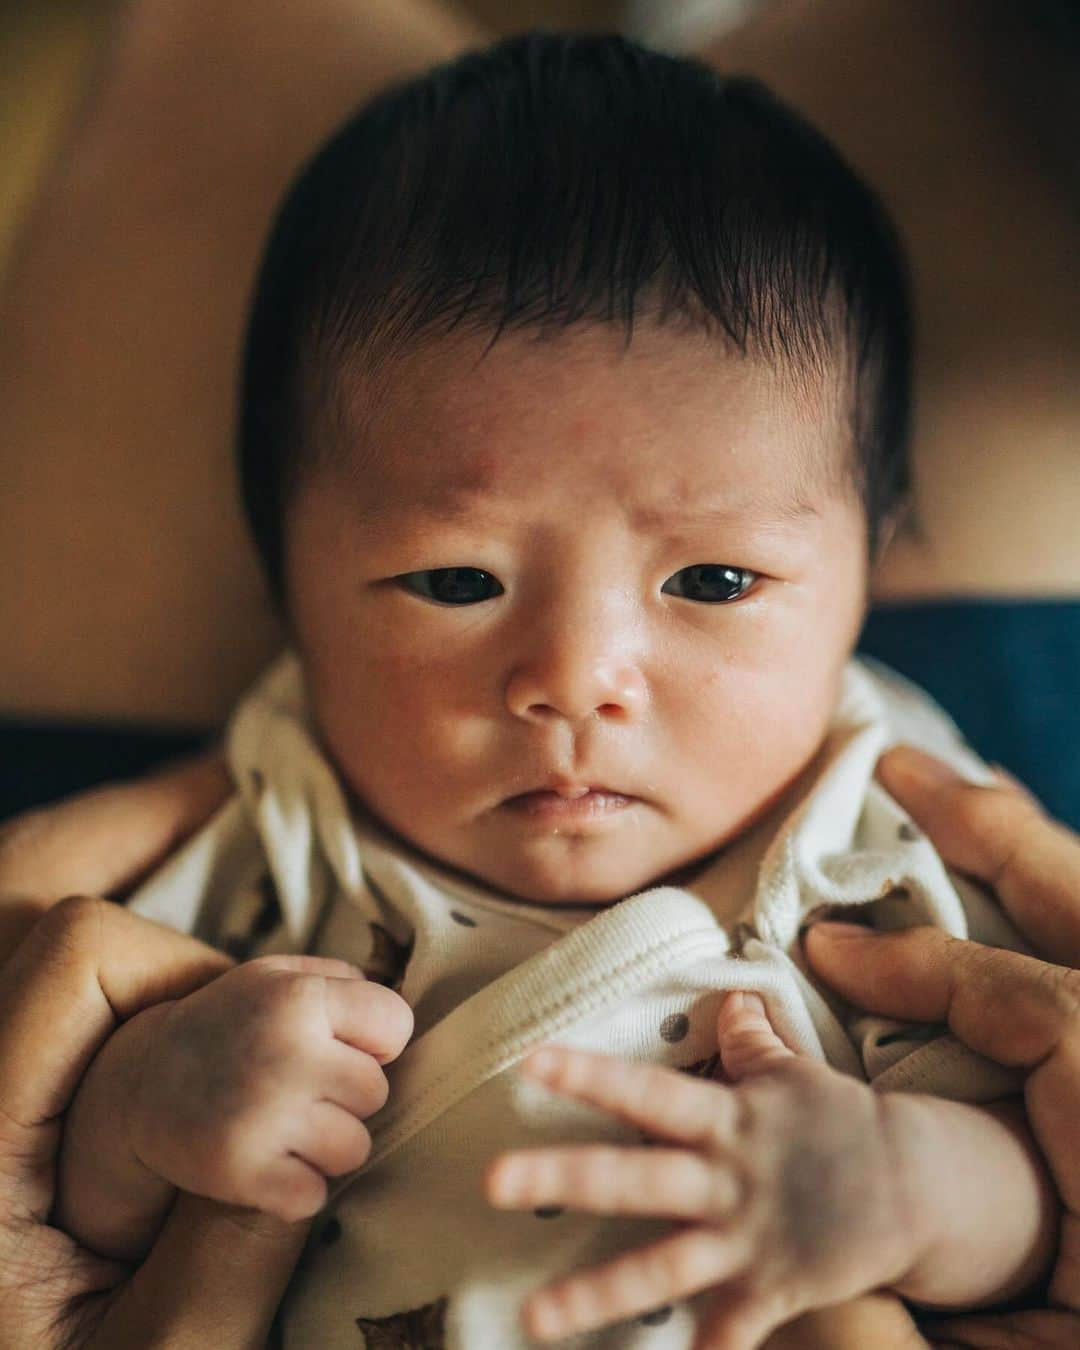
[584, 881]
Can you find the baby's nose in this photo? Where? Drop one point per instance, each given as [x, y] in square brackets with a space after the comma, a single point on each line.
[559, 681]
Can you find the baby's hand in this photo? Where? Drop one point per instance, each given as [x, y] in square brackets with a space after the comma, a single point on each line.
[258, 1083]
[785, 1185]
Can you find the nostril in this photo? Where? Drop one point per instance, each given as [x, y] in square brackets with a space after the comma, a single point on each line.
[544, 710]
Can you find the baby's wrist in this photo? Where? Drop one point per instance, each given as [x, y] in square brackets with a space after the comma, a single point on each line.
[134, 1083]
[911, 1133]
[978, 1207]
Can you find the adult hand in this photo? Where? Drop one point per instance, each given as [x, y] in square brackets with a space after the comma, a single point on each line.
[215, 1275]
[1015, 1009]
[101, 842]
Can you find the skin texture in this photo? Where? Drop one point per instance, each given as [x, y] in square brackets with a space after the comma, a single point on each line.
[796, 1188]
[456, 703]
[583, 672]
[71, 971]
[1015, 1009]
[251, 1091]
[575, 652]
[195, 238]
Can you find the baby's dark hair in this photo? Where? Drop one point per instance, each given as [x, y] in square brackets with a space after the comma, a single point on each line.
[553, 180]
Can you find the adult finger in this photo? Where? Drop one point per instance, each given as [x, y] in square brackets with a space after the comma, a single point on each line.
[237, 1262]
[1015, 1009]
[1040, 1329]
[1000, 835]
[660, 1101]
[876, 1319]
[86, 965]
[103, 841]
[100, 842]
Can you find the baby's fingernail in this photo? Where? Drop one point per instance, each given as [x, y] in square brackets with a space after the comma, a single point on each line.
[540, 1062]
[504, 1182]
[544, 1317]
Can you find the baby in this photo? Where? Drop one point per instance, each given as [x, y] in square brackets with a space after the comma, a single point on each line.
[574, 412]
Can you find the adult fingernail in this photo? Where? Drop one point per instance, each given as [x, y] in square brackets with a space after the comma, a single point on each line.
[842, 932]
[905, 765]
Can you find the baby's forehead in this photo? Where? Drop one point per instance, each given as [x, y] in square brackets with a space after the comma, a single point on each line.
[453, 425]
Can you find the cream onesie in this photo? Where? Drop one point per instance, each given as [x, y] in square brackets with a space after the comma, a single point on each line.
[407, 1253]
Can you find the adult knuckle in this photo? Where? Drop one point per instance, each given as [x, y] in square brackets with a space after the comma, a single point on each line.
[1063, 986]
[974, 967]
[1017, 829]
[75, 914]
[73, 927]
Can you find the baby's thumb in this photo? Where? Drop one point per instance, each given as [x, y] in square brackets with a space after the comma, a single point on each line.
[748, 1044]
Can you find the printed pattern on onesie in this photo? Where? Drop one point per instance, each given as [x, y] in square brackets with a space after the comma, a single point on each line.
[407, 1254]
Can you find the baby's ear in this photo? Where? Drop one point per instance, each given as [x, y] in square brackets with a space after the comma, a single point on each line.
[901, 522]
[748, 1044]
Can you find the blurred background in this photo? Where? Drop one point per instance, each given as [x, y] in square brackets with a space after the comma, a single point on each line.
[130, 606]
[45, 46]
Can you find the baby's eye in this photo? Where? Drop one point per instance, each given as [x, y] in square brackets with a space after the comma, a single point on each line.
[452, 585]
[711, 583]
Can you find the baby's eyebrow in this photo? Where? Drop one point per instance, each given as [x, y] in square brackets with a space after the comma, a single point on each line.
[453, 505]
[759, 508]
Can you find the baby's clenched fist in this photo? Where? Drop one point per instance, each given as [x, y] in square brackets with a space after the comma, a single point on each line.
[252, 1090]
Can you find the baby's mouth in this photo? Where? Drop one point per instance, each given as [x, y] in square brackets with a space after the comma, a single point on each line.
[577, 804]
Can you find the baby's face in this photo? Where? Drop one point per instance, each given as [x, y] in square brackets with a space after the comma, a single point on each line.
[574, 615]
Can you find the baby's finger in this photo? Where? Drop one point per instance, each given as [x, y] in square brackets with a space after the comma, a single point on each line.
[607, 1179]
[748, 1044]
[353, 1080]
[294, 1190]
[660, 1101]
[332, 1140]
[677, 1266]
[369, 1017]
